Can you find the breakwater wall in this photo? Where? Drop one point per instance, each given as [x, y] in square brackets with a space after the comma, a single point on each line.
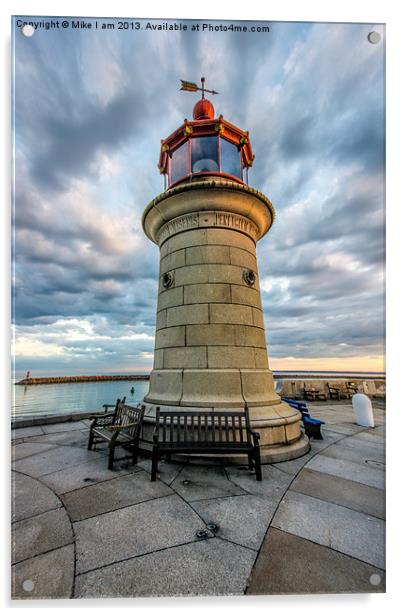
[294, 386]
[47, 380]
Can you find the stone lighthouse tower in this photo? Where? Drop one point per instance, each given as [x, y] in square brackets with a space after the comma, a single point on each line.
[210, 346]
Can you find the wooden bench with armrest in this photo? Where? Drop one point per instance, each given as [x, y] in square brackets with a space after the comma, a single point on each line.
[205, 432]
[119, 429]
[337, 391]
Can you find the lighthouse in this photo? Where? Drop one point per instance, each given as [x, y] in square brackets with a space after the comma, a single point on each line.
[210, 345]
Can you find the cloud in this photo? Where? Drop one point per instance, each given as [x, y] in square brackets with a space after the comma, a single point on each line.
[89, 115]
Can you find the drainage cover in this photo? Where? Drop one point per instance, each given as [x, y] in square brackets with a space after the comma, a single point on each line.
[201, 534]
[376, 463]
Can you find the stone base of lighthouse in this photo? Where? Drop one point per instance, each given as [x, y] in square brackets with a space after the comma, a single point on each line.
[210, 347]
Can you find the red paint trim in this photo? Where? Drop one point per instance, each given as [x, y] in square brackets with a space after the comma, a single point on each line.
[206, 128]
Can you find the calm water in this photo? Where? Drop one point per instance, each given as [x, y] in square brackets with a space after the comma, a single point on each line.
[79, 397]
[73, 397]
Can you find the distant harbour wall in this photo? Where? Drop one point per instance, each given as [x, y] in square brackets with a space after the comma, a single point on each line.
[294, 386]
[48, 380]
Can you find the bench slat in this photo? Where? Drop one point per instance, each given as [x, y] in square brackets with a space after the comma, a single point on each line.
[235, 430]
[220, 427]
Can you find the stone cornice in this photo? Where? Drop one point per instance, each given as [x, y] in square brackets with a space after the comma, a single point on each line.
[201, 185]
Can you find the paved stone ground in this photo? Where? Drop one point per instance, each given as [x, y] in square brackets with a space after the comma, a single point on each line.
[313, 525]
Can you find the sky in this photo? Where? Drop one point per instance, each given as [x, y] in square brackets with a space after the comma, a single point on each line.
[90, 108]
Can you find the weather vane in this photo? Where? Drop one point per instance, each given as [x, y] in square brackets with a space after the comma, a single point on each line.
[189, 86]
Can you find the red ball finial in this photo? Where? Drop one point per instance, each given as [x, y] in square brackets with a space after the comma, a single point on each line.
[203, 110]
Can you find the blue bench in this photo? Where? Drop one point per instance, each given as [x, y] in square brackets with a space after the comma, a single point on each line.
[312, 426]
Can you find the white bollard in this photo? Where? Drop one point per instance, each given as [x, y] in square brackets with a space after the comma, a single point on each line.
[363, 410]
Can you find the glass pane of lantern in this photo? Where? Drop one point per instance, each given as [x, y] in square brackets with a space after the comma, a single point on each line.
[230, 158]
[179, 163]
[204, 154]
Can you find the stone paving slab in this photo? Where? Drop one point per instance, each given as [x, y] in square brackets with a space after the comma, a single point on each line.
[348, 470]
[86, 474]
[209, 567]
[274, 482]
[290, 565]
[25, 449]
[345, 428]
[54, 460]
[112, 495]
[352, 494]
[167, 471]
[73, 438]
[358, 456]
[66, 426]
[30, 497]
[133, 531]
[197, 482]
[359, 444]
[292, 467]
[39, 534]
[25, 432]
[333, 415]
[51, 574]
[350, 532]
[241, 519]
[371, 437]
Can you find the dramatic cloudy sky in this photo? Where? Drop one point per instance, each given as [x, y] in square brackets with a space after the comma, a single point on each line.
[90, 110]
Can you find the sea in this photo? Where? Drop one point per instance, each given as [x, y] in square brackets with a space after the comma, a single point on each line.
[66, 398]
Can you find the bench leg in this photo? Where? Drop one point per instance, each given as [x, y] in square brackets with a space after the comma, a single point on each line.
[154, 468]
[111, 458]
[250, 462]
[90, 440]
[317, 433]
[313, 432]
[135, 452]
[257, 458]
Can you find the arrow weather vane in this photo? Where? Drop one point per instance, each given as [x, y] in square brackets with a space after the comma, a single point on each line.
[189, 86]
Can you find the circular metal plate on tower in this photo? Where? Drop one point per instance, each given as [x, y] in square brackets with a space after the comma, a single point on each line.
[249, 277]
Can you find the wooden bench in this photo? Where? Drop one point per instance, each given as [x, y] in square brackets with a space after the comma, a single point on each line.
[352, 388]
[119, 429]
[208, 432]
[337, 392]
[314, 394]
[312, 426]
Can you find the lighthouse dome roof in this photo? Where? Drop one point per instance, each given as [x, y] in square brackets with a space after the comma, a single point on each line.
[203, 110]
